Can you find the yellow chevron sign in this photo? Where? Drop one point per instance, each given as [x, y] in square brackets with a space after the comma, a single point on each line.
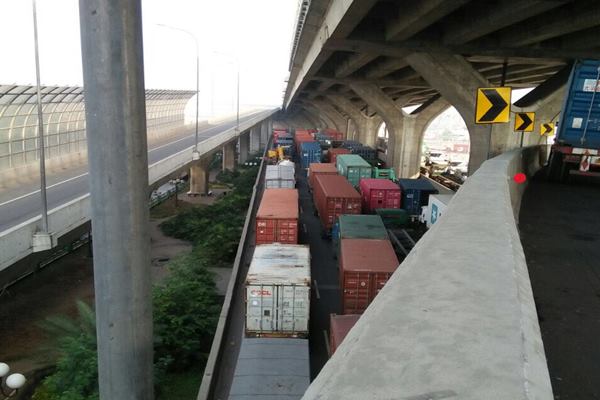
[524, 121]
[547, 128]
[493, 105]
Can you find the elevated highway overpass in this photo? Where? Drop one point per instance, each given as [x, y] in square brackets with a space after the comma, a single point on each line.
[68, 195]
[357, 63]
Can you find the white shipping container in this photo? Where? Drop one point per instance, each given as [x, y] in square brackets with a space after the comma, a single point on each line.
[278, 291]
[280, 176]
[436, 207]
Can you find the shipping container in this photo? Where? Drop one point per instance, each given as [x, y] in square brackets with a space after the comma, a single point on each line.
[436, 207]
[299, 139]
[334, 196]
[280, 177]
[353, 167]
[365, 267]
[339, 326]
[278, 291]
[310, 152]
[357, 227]
[334, 134]
[379, 193]
[393, 217]
[271, 368]
[415, 194]
[367, 153]
[277, 217]
[384, 173]
[319, 168]
[334, 152]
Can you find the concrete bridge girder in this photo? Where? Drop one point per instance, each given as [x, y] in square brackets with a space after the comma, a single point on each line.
[324, 118]
[366, 127]
[457, 81]
[340, 121]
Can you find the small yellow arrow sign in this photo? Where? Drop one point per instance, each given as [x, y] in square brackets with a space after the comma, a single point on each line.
[493, 105]
[524, 122]
[547, 128]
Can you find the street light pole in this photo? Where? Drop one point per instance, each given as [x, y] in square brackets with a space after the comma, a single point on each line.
[40, 124]
[195, 153]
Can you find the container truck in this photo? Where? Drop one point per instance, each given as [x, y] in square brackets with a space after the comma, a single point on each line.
[334, 196]
[316, 169]
[353, 167]
[277, 217]
[577, 143]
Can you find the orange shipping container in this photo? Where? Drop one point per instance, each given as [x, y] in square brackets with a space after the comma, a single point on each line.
[319, 169]
[333, 196]
[339, 326]
[336, 151]
[365, 267]
[277, 217]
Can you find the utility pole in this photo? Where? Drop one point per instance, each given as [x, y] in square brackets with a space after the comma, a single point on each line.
[113, 72]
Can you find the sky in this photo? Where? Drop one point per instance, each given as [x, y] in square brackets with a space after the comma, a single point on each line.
[256, 33]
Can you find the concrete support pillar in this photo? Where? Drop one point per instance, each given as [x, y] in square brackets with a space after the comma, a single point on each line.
[229, 156]
[264, 133]
[365, 126]
[327, 108]
[199, 177]
[243, 147]
[113, 74]
[457, 81]
[254, 134]
[393, 116]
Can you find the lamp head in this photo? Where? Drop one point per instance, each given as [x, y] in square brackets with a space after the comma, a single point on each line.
[15, 381]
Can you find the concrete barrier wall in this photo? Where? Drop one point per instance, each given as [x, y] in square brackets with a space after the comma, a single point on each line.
[17, 243]
[457, 319]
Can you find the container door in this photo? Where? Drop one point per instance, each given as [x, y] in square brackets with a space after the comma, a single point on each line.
[378, 281]
[288, 231]
[293, 309]
[356, 294]
[260, 308]
[265, 231]
[377, 199]
[392, 199]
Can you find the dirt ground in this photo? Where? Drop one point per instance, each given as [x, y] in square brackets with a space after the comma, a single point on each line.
[54, 290]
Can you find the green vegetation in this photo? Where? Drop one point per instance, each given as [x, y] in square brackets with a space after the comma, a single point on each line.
[186, 306]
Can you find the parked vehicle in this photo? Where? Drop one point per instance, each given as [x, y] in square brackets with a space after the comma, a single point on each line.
[271, 368]
[339, 326]
[576, 147]
[278, 291]
[353, 167]
[415, 194]
[365, 267]
[280, 176]
[319, 169]
[379, 193]
[277, 217]
[334, 196]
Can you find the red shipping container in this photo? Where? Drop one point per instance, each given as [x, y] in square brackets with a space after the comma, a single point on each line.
[333, 195]
[319, 169]
[277, 217]
[336, 151]
[365, 267]
[339, 326]
[379, 193]
[334, 134]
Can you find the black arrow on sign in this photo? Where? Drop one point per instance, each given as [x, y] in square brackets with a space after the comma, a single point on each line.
[498, 105]
[526, 122]
[547, 128]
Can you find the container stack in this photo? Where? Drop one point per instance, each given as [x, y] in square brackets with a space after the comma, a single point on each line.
[334, 152]
[334, 196]
[353, 167]
[310, 152]
[358, 227]
[278, 291]
[333, 134]
[300, 137]
[415, 194]
[280, 177]
[277, 217]
[365, 267]
[379, 193]
[319, 169]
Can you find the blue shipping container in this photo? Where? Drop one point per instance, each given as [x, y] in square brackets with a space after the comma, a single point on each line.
[310, 152]
[575, 127]
[415, 194]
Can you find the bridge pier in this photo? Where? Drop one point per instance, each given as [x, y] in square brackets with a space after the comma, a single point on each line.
[254, 134]
[199, 177]
[264, 133]
[244, 147]
[229, 156]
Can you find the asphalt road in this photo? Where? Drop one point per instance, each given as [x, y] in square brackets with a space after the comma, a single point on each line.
[73, 184]
[559, 228]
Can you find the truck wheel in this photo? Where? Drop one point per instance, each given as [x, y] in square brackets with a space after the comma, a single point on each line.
[555, 169]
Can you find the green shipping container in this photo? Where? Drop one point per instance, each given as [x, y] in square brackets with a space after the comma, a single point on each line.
[358, 227]
[393, 217]
[384, 173]
[353, 167]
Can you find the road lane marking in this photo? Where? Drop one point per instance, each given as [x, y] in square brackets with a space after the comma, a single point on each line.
[326, 336]
[317, 290]
[82, 175]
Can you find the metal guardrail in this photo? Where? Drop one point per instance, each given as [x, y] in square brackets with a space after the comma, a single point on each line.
[209, 378]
